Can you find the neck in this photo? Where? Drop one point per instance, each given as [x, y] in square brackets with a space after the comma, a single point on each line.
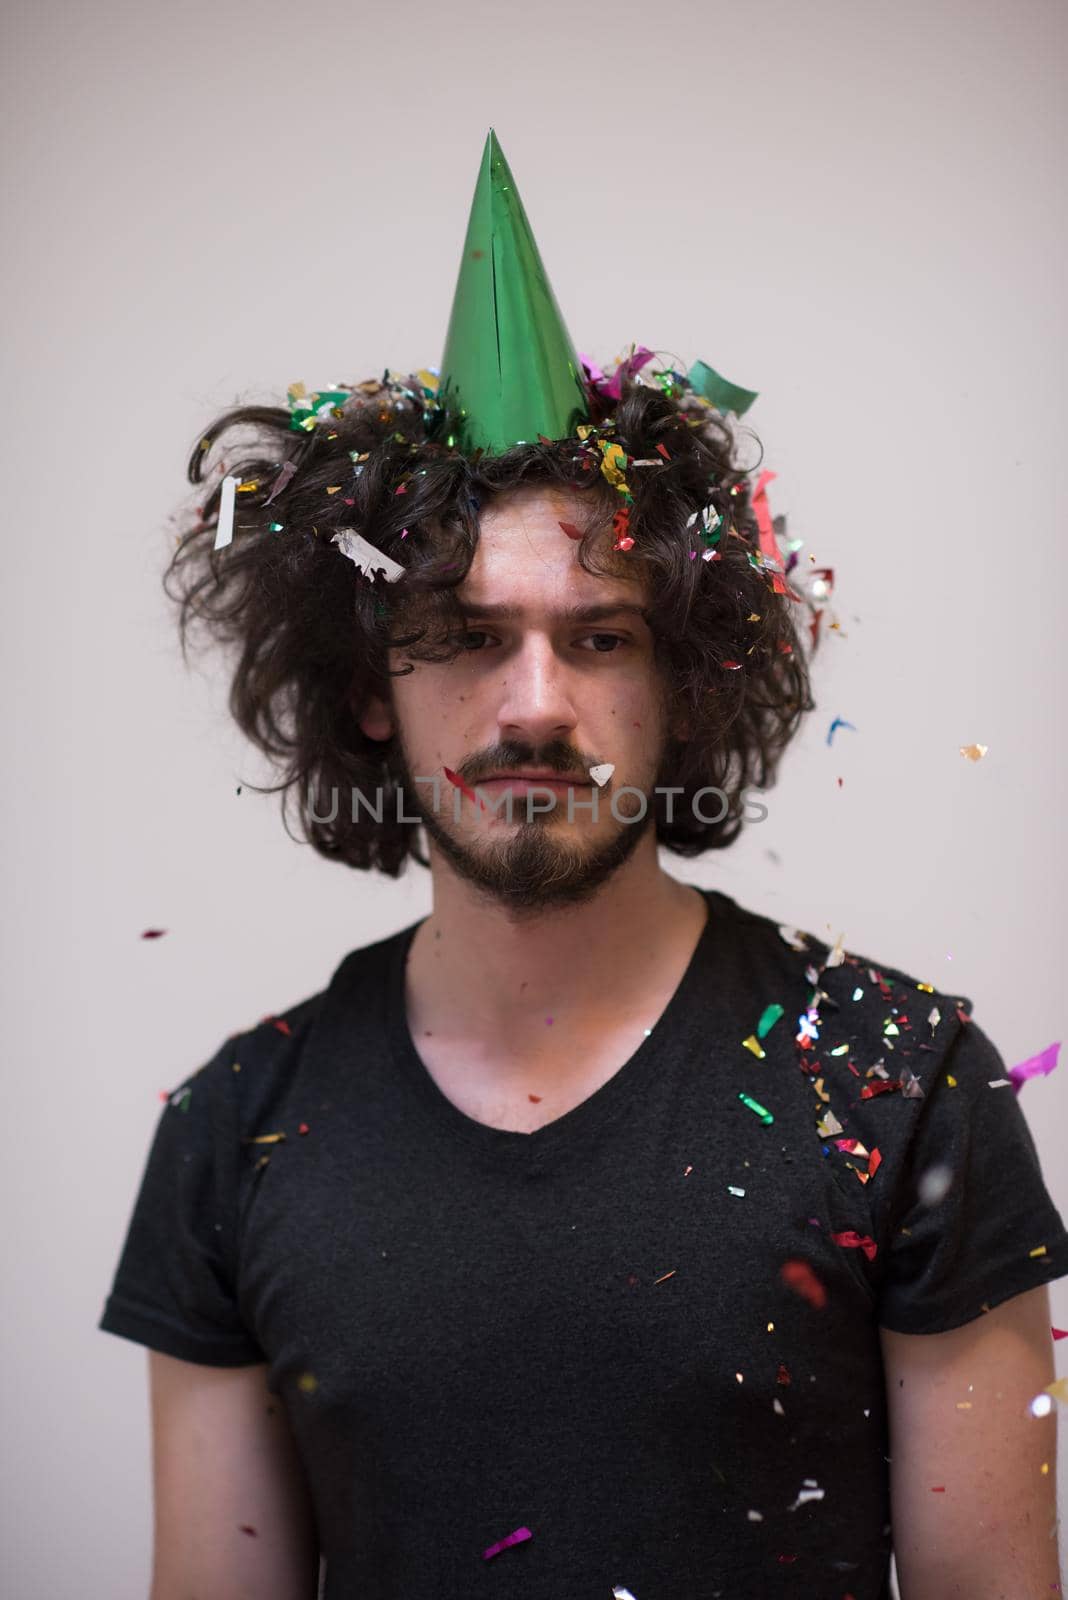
[476, 971]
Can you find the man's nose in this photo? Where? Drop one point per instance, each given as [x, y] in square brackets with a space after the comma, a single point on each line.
[536, 692]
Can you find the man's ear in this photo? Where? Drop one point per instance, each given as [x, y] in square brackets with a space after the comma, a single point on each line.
[376, 719]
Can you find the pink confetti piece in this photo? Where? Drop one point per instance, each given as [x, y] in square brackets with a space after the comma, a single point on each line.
[284, 477]
[1059, 1333]
[1035, 1066]
[517, 1537]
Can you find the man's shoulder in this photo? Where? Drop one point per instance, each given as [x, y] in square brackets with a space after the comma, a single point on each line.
[259, 1058]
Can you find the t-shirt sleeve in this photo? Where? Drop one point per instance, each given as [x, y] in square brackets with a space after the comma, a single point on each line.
[972, 1222]
[174, 1287]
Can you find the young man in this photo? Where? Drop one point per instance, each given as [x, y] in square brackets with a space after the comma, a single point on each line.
[593, 1235]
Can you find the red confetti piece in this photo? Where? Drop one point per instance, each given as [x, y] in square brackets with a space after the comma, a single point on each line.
[461, 785]
[880, 1086]
[850, 1240]
[153, 933]
[279, 1023]
[663, 450]
[732, 665]
[938, 1488]
[303, 1128]
[536, 1098]
[875, 1161]
[799, 1276]
[571, 531]
[249, 1529]
[782, 1376]
[517, 1537]
[1059, 1333]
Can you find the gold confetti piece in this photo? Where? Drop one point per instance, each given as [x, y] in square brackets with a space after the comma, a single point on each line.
[974, 752]
[951, 1080]
[334, 488]
[667, 1275]
[1039, 1250]
[928, 988]
[753, 1044]
[265, 1138]
[821, 1091]
[1044, 1469]
[964, 1405]
[247, 488]
[307, 1383]
[771, 1327]
[1058, 1389]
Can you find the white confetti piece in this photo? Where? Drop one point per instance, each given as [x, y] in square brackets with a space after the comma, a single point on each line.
[601, 774]
[732, 1190]
[619, 1593]
[224, 531]
[369, 559]
[810, 1492]
[794, 938]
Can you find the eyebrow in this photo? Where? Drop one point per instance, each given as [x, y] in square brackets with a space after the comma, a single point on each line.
[592, 613]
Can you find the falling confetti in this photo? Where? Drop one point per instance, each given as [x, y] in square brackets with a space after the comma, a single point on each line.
[1035, 1066]
[799, 1276]
[838, 723]
[602, 773]
[153, 933]
[518, 1537]
[974, 752]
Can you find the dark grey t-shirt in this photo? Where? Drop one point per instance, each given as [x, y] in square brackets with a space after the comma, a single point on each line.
[646, 1333]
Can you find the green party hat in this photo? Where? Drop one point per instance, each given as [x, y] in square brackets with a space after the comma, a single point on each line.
[510, 371]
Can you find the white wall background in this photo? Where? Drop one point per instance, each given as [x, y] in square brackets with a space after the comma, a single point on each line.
[853, 208]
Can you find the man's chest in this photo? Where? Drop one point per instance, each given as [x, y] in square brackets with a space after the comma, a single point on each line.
[523, 1088]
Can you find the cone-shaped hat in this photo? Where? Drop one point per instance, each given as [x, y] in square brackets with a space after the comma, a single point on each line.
[509, 371]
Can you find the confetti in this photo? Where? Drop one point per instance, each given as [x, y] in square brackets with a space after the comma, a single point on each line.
[602, 773]
[838, 723]
[974, 752]
[518, 1537]
[732, 1190]
[799, 1276]
[849, 1240]
[153, 933]
[285, 476]
[768, 1018]
[753, 1044]
[765, 1116]
[224, 531]
[1042, 1064]
[810, 1491]
[365, 556]
[620, 1593]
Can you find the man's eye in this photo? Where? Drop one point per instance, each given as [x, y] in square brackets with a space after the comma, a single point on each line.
[617, 637]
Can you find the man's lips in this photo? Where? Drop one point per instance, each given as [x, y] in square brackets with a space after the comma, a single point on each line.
[535, 777]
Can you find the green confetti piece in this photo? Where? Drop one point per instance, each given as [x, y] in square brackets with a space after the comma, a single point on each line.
[183, 1103]
[706, 381]
[761, 1111]
[769, 1018]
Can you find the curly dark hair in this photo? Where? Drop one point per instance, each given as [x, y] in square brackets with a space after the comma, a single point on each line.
[312, 632]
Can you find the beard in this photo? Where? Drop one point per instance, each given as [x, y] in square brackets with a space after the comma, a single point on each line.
[541, 863]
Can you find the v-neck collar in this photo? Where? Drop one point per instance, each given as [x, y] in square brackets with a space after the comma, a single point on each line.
[623, 1088]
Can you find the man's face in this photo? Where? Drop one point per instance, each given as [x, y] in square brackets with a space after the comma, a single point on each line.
[535, 691]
